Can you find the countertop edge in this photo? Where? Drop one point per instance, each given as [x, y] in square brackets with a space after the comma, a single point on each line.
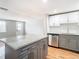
[29, 43]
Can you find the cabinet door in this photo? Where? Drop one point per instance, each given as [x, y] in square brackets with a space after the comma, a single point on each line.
[9, 53]
[72, 44]
[28, 55]
[39, 50]
[73, 16]
[77, 45]
[44, 49]
[72, 40]
[69, 42]
[25, 55]
[31, 54]
[34, 53]
[62, 43]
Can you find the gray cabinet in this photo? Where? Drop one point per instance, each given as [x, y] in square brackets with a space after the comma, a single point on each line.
[37, 50]
[10, 53]
[24, 54]
[72, 44]
[63, 42]
[34, 52]
[28, 53]
[77, 45]
[44, 49]
[69, 42]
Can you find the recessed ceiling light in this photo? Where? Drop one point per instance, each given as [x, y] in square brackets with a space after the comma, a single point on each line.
[45, 1]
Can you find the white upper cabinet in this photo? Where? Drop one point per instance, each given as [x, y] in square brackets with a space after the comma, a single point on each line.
[73, 17]
[65, 23]
[57, 20]
[63, 18]
[51, 20]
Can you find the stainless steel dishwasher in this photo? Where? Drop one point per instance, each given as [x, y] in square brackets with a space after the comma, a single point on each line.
[53, 40]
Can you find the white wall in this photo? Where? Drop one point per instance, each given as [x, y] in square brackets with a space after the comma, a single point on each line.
[34, 25]
[10, 15]
[37, 26]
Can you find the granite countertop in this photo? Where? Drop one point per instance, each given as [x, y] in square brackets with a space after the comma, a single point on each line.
[20, 41]
[62, 34]
[52, 34]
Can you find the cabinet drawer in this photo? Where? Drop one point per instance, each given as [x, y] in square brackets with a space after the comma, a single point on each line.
[22, 53]
[24, 56]
[44, 40]
[34, 44]
[23, 50]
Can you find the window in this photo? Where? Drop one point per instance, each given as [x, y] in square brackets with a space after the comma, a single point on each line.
[19, 27]
[2, 26]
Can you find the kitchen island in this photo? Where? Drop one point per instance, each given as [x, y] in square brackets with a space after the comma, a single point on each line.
[26, 47]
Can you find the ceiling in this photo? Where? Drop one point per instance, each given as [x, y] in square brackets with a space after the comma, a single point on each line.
[39, 7]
